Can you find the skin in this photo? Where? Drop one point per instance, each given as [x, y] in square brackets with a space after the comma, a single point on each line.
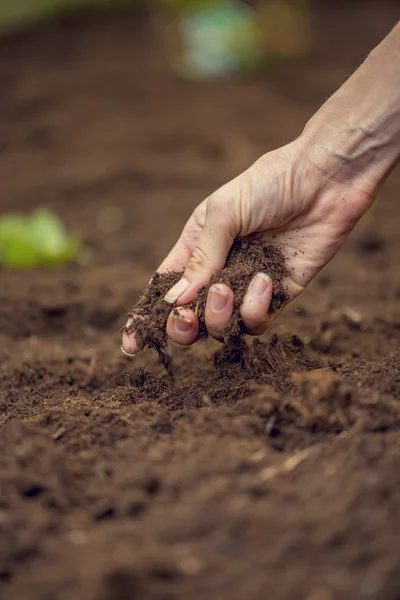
[307, 196]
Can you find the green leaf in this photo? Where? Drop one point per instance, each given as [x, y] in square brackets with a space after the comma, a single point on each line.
[39, 240]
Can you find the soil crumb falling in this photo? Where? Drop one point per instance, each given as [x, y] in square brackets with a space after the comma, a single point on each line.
[245, 259]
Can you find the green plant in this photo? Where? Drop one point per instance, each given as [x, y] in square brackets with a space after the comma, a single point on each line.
[37, 240]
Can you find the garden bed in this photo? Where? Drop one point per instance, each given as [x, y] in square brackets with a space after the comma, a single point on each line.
[117, 481]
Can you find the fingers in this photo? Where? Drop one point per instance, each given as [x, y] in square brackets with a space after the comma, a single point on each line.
[219, 308]
[176, 260]
[183, 326]
[130, 345]
[209, 255]
[256, 303]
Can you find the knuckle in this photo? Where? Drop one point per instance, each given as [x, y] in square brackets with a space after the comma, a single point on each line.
[198, 260]
[361, 200]
[199, 215]
[231, 204]
[245, 195]
[214, 204]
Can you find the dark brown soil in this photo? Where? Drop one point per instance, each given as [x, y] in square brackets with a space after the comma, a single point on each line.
[276, 476]
[149, 316]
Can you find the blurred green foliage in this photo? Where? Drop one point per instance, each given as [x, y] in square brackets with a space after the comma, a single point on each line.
[37, 240]
[220, 38]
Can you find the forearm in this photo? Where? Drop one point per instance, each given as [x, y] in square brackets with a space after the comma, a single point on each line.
[355, 136]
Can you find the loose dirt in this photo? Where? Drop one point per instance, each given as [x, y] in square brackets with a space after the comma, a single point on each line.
[148, 319]
[276, 476]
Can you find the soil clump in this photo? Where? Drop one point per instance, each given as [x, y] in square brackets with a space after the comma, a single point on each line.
[245, 259]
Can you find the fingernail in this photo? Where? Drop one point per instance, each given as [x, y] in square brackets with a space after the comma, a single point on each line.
[218, 298]
[259, 284]
[128, 323]
[127, 353]
[177, 290]
[182, 324]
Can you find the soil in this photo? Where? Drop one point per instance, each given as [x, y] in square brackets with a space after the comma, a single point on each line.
[271, 477]
[148, 319]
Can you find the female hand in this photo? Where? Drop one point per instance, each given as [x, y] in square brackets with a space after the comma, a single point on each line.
[296, 196]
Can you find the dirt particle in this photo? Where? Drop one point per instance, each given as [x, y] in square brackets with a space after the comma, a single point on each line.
[245, 259]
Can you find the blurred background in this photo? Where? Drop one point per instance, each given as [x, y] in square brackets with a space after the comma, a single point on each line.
[116, 120]
[198, 41]
[119, 116]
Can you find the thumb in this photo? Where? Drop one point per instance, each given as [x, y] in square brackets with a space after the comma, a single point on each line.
[210, 253]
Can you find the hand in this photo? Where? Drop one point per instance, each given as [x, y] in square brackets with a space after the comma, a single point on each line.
[289, 199]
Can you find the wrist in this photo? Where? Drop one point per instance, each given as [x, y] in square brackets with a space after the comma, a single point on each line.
[340, 194]
[351, 152]
[355, 136]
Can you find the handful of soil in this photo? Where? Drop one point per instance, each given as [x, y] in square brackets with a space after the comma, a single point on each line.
[246, 258]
